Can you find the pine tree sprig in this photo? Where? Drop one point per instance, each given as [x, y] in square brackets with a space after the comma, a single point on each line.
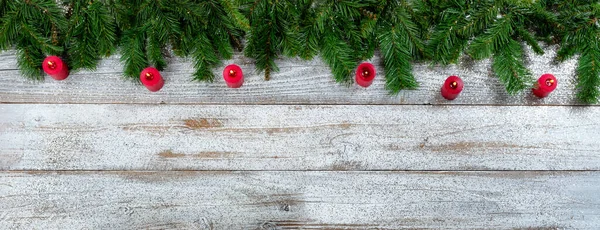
[338, 55]
[530, 40]
[32, 27]
[509, 66]
[133, 49]
[29, 61]
[91, 34]
[445, 43]
[588, 73]
[204, 59]
[495, 38]
[400, 42]
[273, 32]
[396, 60]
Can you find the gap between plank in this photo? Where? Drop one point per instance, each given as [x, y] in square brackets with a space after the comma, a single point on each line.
[300, 104]
[337, 171]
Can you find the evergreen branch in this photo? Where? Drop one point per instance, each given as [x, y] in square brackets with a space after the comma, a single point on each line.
[338, 55]
[106, 33]
[530, 40]
[272, 32]
[232, 12]
[588, 73]
[444, 44]
[479, 19]
[154, 52]
[44, 43]
[29, 61]
[313, 19]
[310, 37]
[510, 69]
[132, 53]
[416, 45]
[9, 30]
[204, 59]
[495, 38]
[221, 43]
[396, 59]
[566, 51]
[92, 34]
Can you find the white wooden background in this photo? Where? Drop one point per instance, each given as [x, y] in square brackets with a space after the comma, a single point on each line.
[297, 152]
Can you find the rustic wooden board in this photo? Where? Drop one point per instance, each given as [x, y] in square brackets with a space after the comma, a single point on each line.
[298, 82]
[295, 137]
[299, 200]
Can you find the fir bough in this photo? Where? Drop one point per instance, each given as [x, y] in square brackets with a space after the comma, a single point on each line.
[487, 29]
[274, 30]
[91, 34]
[205, 30]
[211, 30]
[400, 41]
[578, 31]
[338, 29]
[33, 28]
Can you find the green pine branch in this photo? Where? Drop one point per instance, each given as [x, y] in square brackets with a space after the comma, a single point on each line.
[400, 41]
[495, 38]
[445, 42]
[343, 40]
[396, 60]
[204, 59]
[32, 27]
[339, 56]
[588, 72]
[509, 67]
[91, 34]
[578, 32]
[274, 31]
[133, 53]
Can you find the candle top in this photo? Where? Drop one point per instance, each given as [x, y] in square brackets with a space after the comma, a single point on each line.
[150, 76]
[366, 71]
[233, 73]
[454, 84]
[547, 82]
[53, 65]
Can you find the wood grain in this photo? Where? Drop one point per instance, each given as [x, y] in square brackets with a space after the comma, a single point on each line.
[298, 82]
[299, 200]
[298, 137]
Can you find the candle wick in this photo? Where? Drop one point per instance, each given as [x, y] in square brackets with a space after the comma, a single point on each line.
[366, 73]
[231, 73]
[453, 85]
[149, 76]
[51, 65]
[549, 82]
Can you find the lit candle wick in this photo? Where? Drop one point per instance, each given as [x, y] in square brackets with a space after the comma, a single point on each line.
[149, 76]
[51, 65]
[549, 82]
[231, 73]
[453, 85]
[366, 73]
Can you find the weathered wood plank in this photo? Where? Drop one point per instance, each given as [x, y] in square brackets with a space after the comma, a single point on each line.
[298, 82]
[282, 137]
[299, 200]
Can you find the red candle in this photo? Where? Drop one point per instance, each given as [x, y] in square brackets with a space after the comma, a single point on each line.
[365, 73]
[545, 85]
[55, 67]
[452, 87]
[233, 75]
[152, 79]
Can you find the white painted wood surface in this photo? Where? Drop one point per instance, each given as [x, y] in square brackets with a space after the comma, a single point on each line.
[283, 137]
[293, 200]
[297, 152]
[298, 82]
